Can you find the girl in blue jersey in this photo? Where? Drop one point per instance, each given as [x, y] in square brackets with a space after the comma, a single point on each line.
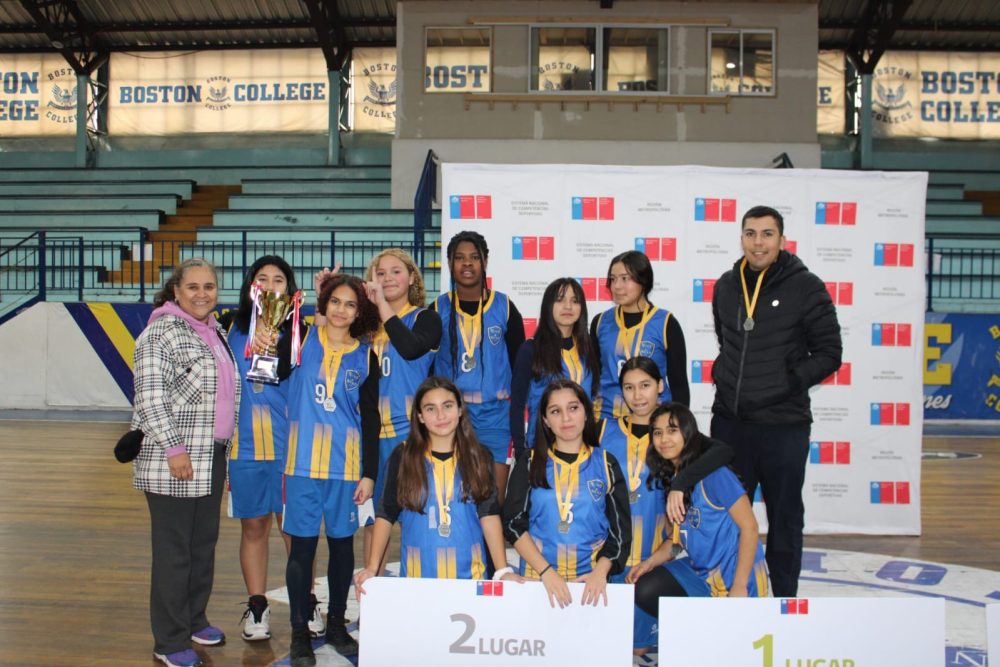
[482, 331]
[439, 486]
[567, 507]
[405, 344]
[719, 531]
[635, 327]
[332, 460]
[627, 438]
[561, 348]
[258, 453]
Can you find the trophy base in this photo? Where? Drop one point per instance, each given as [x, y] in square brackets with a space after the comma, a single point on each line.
[263, 369]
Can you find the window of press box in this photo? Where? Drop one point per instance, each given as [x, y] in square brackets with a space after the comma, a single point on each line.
[563, 59]
[742, 62]
[635, 59]
[458, 60]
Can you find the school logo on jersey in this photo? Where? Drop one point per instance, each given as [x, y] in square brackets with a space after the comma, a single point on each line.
[693, 517]
[495, 334]
[352, 379]
[893, 254]
[470, 207]
[842, 294]
[892, 334]
[596, 488]
[836, 213]
[657, 249]
[714, 210]
[890, 493]
[593, 208]
[647, 348]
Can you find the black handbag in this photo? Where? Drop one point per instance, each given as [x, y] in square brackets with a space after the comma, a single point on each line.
[128, 446]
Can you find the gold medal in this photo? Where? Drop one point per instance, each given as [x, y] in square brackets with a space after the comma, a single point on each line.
[444, 482]
[635, 449]
[751, 304]
[470, 328]
[567, 477]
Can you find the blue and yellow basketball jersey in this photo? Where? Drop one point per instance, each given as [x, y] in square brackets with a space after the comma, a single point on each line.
[399, 381]
[570, 542]
[262, 431]
[649, 521]
[574, 368]
[617, 344]
[483, 375]
[424, 549]
[324, 415]
[711, 537]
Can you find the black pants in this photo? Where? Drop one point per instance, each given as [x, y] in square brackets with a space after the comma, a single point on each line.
[774, 456]
[185, 531]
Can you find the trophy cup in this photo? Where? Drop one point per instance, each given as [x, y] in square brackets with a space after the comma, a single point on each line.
[272, 309]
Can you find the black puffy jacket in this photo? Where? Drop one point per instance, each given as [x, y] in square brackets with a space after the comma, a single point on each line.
[764, 375]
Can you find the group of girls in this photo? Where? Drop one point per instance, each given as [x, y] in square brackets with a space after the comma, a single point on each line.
[416, 408]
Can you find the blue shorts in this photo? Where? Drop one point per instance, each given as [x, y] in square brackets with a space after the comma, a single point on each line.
[386, 446]
[696, 585]
[491, 422]
[255, 488]
[308, 502]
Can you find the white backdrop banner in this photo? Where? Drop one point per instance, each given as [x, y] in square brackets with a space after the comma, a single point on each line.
[861, 233]
[280, 90]
[37, 95]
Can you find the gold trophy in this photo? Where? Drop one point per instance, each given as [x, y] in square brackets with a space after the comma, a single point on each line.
[272, 309]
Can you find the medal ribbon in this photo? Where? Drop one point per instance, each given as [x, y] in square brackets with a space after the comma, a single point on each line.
[470, 328]
[571, 358]
[443, 488]
[255, 292]
[331, 361]
[567, 478]
[381, 339]
[296, 324]
[750, 304]
[629, 340]
[635, 460]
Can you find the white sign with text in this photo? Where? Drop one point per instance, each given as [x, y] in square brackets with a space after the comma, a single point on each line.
[456, 622]
[820, 632]
[993, 633]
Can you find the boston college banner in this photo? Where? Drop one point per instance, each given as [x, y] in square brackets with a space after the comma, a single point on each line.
[862, 234]
[218, 91]
[37, 95]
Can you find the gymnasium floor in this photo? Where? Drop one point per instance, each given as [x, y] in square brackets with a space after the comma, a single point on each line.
[74, 552]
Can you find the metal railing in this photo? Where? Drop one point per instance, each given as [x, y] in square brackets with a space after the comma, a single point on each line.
[126, 265]
[957, 271]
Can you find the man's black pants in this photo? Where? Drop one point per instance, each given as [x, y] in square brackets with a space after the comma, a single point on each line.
[774, 456]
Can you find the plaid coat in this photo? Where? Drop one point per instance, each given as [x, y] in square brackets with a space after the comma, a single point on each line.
[175, 385]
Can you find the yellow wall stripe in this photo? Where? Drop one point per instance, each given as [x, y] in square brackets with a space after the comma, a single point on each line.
[117, 333]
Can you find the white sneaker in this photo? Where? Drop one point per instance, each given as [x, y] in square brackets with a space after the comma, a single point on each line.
[256, 627]
[317, 626]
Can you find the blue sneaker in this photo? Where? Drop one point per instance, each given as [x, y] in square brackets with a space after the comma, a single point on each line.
[185, 658]
[209, 636]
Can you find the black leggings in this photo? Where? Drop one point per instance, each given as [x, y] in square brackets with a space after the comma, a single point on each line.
[298, 576]
[655, 584]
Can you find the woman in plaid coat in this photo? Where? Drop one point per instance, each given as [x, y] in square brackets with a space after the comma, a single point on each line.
[186, 401]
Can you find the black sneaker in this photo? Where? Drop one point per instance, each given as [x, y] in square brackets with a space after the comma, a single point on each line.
[341, 640]
[301, 652]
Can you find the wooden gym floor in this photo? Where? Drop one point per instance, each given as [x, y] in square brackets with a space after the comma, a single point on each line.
[74, 547]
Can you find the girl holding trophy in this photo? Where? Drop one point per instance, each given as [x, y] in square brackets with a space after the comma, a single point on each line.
[263, 329]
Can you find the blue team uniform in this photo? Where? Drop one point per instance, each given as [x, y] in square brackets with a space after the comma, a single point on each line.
[258, 452]
[424, 552]
[711, 539]
[397, 386]
[648, 515]
[485, 386]
[573, 368]
[324, 445]
[617, 344]
[573, 553]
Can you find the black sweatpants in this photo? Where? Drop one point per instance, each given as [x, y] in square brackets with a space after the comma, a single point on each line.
[184, 531]
[774, 456]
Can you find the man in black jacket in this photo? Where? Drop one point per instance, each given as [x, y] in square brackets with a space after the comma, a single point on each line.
[778, 336]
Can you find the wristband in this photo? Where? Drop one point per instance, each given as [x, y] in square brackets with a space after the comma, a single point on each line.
[502, 572]
[547, 568]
